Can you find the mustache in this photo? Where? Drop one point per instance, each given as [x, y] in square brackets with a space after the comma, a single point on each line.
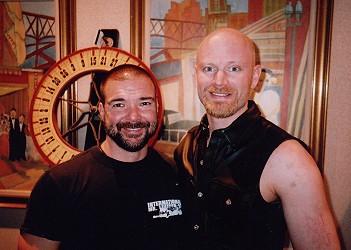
[213, 88]
[132, 125]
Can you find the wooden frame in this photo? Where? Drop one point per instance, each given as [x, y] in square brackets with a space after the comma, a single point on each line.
[320, 71]
[324, 18]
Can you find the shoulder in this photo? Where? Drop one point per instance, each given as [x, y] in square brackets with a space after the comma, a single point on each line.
[293, 156]
[80, 162]
[161, 157]
[191, 134]
[72, 174]
[164, 157]
[188, 139]
[290, 167]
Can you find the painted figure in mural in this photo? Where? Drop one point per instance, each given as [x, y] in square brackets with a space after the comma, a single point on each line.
[121, 194]
[13, 136]
[266, 96]
[243, 179]
[22, 141]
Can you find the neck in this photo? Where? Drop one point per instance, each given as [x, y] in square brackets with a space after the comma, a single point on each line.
[112, 150]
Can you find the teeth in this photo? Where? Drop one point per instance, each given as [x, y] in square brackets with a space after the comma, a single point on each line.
[219, 94]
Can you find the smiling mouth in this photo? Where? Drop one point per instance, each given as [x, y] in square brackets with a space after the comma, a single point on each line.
[133, 126]
[133, 129]
[219, 94]
[133, 133]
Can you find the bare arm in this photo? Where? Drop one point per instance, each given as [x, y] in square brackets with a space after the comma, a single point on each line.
[292, 175]
[32, 242]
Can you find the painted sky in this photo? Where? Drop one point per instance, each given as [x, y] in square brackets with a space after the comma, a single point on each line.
[160, 7]
[44, 8]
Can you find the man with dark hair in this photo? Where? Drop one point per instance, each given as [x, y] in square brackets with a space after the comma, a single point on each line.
[121, 194]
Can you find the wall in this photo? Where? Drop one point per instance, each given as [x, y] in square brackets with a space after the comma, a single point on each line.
[102, 14]
[338, 140]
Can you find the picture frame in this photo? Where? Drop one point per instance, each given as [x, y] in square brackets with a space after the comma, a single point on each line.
[315, 107]
[22, 67]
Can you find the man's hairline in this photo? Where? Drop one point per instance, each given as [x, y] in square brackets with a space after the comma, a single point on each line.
[142, 73]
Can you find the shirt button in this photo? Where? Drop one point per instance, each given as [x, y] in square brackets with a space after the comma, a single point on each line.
[200, 194]
[228, 202]
[202, 162]
[196, 227]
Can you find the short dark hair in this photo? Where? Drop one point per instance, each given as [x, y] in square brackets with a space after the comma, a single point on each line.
[117, 73]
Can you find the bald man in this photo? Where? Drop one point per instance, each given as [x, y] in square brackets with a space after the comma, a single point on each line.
[244, 180]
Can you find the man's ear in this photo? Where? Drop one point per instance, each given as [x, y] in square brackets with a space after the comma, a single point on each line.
[157, 106]
[195, 68]
[101, 110]
[256, 76]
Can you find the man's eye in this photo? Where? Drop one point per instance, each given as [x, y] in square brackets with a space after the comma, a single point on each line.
[233, 69]
[145, 103]
[209, 69]
[117, 105]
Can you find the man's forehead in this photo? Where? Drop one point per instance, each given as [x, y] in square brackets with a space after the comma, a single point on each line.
[225, 54]
[137, 85]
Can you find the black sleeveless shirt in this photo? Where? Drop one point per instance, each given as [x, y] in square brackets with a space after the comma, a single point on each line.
[222, 203]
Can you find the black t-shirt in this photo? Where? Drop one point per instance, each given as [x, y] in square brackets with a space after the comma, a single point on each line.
[96, 202]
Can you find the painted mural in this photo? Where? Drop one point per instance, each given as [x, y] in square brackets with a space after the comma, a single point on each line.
[27, 50]
[279, 30]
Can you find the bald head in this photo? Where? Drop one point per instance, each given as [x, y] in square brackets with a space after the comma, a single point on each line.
[227, 39]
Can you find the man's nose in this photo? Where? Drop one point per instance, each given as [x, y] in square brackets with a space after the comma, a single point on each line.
[133, 113]
[220, 78]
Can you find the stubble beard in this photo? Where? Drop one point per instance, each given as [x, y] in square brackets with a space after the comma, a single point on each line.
[220, 109]
[126, 141]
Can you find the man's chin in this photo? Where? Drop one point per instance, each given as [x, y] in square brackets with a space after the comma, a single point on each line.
[220, 110]
[133, 147]
[133, 144]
